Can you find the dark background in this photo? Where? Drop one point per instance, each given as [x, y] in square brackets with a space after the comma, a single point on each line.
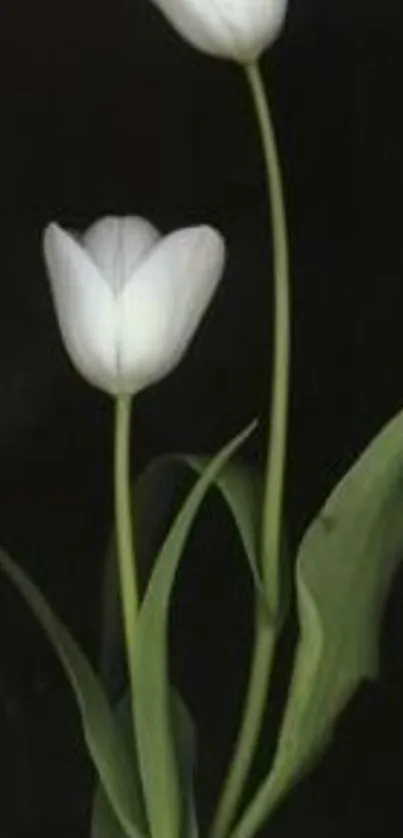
[105, 110]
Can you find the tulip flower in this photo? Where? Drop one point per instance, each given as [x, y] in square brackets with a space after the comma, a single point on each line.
[239, 30]
[129, 301]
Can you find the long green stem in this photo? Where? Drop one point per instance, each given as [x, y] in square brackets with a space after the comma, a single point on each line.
[124, 529]
[248, 735]
[276, 453]
[265, 630]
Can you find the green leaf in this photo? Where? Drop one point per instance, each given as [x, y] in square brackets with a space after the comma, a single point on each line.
[241, 489]
[153, 721]
[104, 823]
[156, 494]
[156, 499]
[106, 746]
[345, 566]
[185, 739]
[239, 485]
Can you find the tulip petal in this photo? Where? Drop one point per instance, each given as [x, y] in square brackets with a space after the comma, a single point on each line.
[118, 246]
[163, 303]
[85, 307]
[235, 29]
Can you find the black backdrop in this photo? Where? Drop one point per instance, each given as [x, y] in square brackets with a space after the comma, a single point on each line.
[105, 110]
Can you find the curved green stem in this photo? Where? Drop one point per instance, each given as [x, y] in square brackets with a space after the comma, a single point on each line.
[249, 732]
[276, 452]
[266, 629]
[124, 529]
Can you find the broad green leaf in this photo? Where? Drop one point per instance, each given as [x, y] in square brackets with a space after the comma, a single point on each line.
[104, 823]
[153, 722]
[106, 746]
[345, 566]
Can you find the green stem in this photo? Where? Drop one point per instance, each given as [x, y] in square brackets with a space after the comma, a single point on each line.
[124, 529]
[249, 732]
[276, 453]
[265, 629]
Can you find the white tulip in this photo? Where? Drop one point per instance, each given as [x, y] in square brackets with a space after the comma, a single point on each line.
[235, 29]
[129, 301]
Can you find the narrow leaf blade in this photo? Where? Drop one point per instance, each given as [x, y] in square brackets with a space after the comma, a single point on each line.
[156, 494]
[241, 490]
[154, 734]
[103, 821]
[106, 747]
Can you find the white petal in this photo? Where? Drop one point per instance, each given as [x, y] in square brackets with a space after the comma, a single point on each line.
[163, 303]
[85, 307]
[236, 29]
[118, 246]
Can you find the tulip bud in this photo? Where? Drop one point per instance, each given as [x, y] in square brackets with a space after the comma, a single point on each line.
[239, 30]
[129, 301]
